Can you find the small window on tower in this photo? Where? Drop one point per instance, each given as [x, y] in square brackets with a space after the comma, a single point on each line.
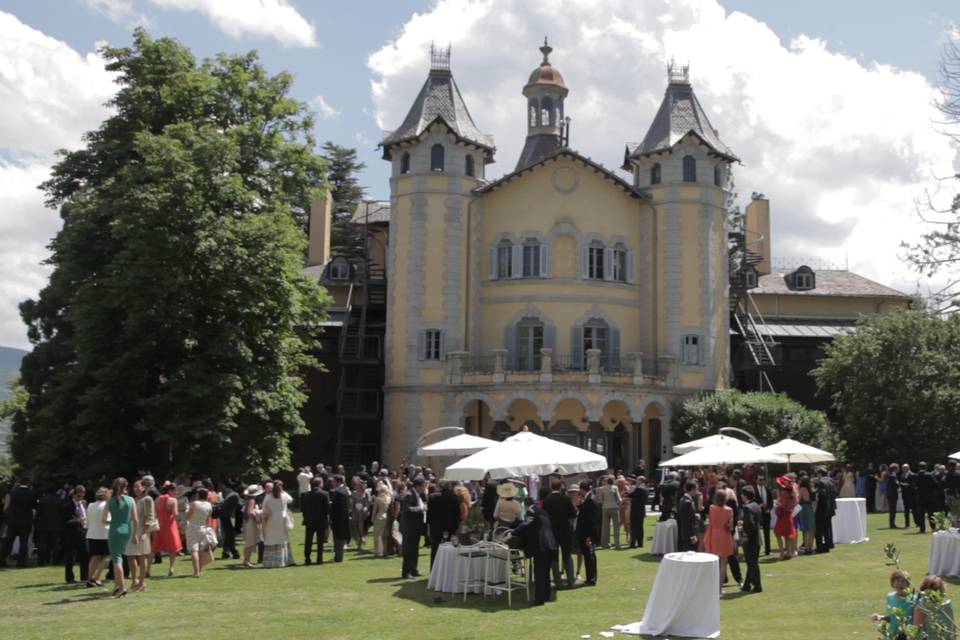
[689, 169]
[436, 158]
[655, 173]
[405, 163]
[470, 171]
[534, 109]
[718, 175]
[546, 111]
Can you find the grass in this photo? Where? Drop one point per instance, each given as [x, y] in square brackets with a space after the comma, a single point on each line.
[820, 597]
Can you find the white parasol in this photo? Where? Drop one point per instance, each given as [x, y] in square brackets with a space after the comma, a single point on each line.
[731, 452]
[795, 451]
[526, 454]
[955, 456]
[708, 441]
[461, 445]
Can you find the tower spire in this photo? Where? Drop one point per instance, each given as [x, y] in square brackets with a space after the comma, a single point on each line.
[546, 50]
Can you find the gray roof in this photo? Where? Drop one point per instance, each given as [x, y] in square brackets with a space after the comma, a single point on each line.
[799, 329]
[439, 99]
[536, 148]
[680, 115]
[827, 283]
[371, 211]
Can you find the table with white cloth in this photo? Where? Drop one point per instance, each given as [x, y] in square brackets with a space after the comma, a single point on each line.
[850, 521]
[445, 570]
[685, 599]
[945, 554]
[664, 537]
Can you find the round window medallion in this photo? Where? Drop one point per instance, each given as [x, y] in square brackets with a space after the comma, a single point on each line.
[565, 179]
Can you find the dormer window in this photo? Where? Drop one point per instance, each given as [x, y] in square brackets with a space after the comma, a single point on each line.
[689, 169]
[718, 176]
[339, 269]
[405, 163]
[469, 169]
[803, 279]
[655, 173]
[436, 158]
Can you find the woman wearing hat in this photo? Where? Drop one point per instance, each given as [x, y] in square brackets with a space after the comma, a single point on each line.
[785, 529]
[508, 509]
[166, 539]
[252, 533]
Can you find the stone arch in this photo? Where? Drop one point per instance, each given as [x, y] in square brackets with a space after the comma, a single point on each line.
[523, 409]
[592, 412]
[665, 406]
[504, 405]
[636, 411]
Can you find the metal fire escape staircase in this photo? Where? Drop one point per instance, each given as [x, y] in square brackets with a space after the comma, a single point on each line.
[758, 353]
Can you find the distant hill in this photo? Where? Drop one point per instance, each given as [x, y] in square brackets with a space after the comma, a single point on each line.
[9, 368]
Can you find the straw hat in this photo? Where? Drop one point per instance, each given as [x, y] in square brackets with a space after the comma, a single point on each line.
[507, 490]
[253, 491]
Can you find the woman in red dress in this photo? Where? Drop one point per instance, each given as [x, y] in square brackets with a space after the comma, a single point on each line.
[166, 539]
[786, 529]
[719, 536]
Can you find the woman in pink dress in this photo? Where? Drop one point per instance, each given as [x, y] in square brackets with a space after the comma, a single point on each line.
[719, 535]
[785, 528]
[166, 539]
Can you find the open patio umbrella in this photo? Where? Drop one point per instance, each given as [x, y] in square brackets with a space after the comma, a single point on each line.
[461, 445]
[731, 452]
[795, 451]
[955, 456]
[708, 441]
[526, 454]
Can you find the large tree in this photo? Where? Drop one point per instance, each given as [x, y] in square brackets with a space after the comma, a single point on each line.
[769, 417]
[346, 238]
[895, 385]
[176, 319]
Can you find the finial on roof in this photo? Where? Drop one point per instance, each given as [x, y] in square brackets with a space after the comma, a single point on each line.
[677, 74]
[546, 49]
[439, 58]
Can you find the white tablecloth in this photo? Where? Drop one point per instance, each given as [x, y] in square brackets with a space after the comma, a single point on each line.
[685, 599]
[850, 521]
[445, 567]
[664, 538]
[945, 554]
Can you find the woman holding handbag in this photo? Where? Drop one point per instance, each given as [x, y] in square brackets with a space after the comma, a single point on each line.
[201, 539]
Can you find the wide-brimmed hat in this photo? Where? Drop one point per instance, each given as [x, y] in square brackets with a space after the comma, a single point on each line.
[167, 485]
[784, 481]
[573, 489]
[507, 490]
[253, 491]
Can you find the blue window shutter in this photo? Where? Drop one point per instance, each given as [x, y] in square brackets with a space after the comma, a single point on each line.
[585, 261]
[517, 260]
[607, 263]
[510, 344]
[630, 276]
[421, 344]
[550, 336]
[614, 355]
[576, 347]
[544, 261]
[493, 262]
[443, 345]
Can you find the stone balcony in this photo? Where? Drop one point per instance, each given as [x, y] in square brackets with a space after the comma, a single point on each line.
[497, 367]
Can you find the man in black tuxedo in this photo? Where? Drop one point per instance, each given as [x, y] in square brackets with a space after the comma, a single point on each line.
[892, 493]
[339, 516]
[74, 517]
[559, 507]
[443, 516]
[764, 499]
[669, 491]
[412, 524]
[539, 544]
[230, 501]
[18, 507]
[751, 516]
[826, 493]
[315, 505]
[49, 527]
[925, 503]
[687, 530]
[909, 492]
[588, 531]
[638, 511]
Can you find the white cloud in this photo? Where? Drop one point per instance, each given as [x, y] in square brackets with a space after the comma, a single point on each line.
[275, 19]
[49, 96]
[841, 148]
[119, 11]
[326, 111]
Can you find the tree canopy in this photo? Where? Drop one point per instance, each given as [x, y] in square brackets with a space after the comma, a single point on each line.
[346, 238]
[895, 385]
[176, 321]
[769, 417]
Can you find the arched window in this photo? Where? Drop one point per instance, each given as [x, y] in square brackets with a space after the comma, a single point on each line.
[469, 170]
[405, 163]
[534, 110]
[689, 169]
[436, 157]
[655, 173]
[546, 111]
[718, 175]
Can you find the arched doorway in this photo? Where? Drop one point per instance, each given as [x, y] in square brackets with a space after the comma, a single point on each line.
[477, 418]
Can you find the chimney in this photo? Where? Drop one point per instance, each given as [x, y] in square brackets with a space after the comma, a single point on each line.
[318, 228]
[758, 230]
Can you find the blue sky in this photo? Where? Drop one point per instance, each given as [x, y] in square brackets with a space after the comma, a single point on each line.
[366, 60]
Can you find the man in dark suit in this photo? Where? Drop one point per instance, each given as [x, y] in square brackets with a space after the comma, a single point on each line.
[826, 495]
[669, 492]
[443, 517]
[638, 511]
[687, 530]
[18, 508]
[230, 501]
[488, 503]
[559, 507]
[925, 504]
[539, 544]
[339, 516]
[588, 531]
[412, 525]
[908, 491]
[74, 518]
[892, 493]
[48, 527]
[764, 499]
[315, 505]
[750, 517]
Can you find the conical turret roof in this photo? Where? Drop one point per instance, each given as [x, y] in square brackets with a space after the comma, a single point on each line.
[439, 99]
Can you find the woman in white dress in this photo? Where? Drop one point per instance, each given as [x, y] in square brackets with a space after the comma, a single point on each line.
[849, 488]
[276, 521]
[381, 509]
[201, 539]
[138, 549]
[252, 533]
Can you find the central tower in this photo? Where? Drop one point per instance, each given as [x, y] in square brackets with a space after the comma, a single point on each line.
[545, 92]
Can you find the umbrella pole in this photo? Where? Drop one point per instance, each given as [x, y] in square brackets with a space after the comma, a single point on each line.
[788, 463]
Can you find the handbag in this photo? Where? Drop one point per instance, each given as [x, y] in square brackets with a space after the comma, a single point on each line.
[210, 538]
[288, 520]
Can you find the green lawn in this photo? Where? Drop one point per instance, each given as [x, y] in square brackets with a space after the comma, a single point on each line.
[829, 596]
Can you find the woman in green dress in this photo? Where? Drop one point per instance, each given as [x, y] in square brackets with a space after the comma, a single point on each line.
[123, 521]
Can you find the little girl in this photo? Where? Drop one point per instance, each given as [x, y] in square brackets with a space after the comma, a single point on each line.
[898, 599]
